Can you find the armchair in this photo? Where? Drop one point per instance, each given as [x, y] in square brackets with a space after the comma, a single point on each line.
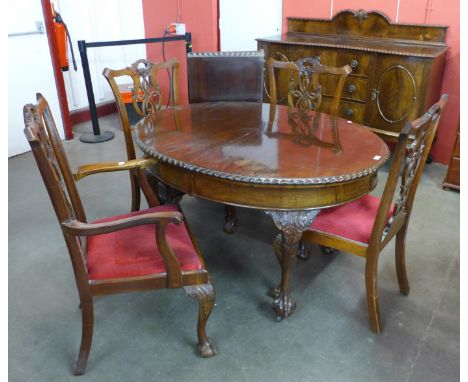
[142, 250]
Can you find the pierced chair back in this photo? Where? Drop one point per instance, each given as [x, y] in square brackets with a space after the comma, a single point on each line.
[147, 95]
[411, 152]
[55, 149]
[304, 88]
[43, 137]
[225, 76]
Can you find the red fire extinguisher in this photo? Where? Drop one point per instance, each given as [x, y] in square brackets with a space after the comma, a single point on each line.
[61, 36]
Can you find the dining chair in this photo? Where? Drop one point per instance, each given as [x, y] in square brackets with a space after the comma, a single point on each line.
[226, 77]
[138, 251]
[365, 226]
[146, 97]
[304, 88]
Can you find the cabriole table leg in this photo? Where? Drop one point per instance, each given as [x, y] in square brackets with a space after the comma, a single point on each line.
[291, 224]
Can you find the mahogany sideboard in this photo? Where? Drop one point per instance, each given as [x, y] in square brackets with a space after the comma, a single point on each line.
[397, 68]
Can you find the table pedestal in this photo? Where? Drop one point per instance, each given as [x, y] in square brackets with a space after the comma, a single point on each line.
[291, 225]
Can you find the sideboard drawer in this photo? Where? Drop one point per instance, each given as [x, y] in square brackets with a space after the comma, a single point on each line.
[355, 87]
[360, 63]
[353, 111]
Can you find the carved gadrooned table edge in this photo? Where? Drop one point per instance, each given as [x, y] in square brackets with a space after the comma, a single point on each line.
[255, 179]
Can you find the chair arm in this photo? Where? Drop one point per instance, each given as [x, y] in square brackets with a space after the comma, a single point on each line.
[77, 228]
[160, 219]
[96, 168]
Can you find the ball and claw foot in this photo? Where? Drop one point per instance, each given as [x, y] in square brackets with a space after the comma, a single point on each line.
[302, 252]
[275, 292]
[327, 250]
[230, 227]
[284, 306]
[207, 349]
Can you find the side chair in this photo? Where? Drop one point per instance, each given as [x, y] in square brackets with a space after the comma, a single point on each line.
[304, 89]
[147, 97]
[138, 251]
[365, 226]
[226, 77]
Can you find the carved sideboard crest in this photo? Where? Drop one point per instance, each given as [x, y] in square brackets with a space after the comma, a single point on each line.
[362, 15]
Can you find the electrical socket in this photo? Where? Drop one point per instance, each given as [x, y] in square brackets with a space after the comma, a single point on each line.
[176, 28]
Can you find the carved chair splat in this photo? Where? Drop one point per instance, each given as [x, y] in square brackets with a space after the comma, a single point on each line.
[304, 89]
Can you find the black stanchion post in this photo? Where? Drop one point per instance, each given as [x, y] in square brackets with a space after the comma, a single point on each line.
[96, 137]
[188, 42]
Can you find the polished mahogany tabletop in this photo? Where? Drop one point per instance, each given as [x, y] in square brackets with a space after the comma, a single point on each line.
[250, 142]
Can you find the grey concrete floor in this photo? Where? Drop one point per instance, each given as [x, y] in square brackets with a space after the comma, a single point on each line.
[152, 335]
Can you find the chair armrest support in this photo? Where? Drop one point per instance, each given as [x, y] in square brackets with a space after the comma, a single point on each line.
[96, 168]
[160, 219]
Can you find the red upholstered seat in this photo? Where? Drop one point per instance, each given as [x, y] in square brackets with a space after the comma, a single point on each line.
[353, 220]
[133, 252]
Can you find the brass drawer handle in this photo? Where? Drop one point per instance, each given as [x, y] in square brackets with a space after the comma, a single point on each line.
[354, 63]
[351, 89]
[349, 112]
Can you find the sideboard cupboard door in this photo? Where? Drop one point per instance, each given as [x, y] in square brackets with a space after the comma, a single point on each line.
[396, 90]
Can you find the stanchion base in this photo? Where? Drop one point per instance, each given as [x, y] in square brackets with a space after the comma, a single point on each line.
[91, 138]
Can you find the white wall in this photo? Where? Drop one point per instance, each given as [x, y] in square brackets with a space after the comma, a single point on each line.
[29, 71]
[100, 20]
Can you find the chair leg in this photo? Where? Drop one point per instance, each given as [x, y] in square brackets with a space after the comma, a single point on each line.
[205, 294]
[400, 245]
[302, 252]
[372, 293]
[135, 192]
[87, 314]
[230, 217]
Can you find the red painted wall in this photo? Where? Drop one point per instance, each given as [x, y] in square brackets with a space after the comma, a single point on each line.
[200, 18]
[442, 12]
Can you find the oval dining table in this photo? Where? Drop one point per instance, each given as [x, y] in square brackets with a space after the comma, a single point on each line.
[289, 162]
